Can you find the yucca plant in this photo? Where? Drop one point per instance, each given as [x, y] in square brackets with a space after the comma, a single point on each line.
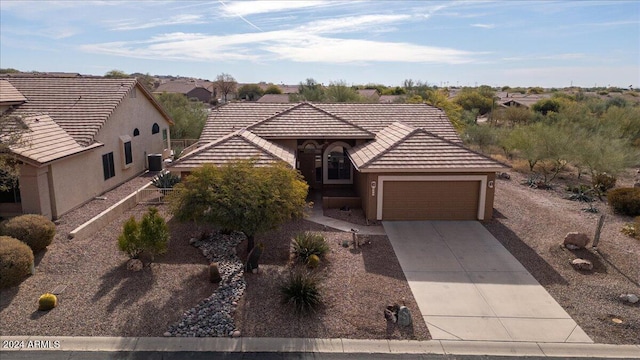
[301, 290]
[309, 243]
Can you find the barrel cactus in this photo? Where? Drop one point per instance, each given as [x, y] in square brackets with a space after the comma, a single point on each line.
[47, 302]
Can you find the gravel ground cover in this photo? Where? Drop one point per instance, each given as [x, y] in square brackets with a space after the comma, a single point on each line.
[532, 223]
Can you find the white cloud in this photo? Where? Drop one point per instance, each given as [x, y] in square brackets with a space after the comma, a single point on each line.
[351, 23]
[183, 19]
[484, 26]
[244, 8]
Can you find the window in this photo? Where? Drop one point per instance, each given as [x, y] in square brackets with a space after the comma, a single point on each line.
[155, 128]
[128, 155]
[337, 167]
[108, 166]
[136, 132]
[127, 151]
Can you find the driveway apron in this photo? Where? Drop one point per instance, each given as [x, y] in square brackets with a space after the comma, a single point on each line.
[469, 287]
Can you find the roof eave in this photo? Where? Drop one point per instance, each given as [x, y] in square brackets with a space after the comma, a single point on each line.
[432, 170]
[36, 163]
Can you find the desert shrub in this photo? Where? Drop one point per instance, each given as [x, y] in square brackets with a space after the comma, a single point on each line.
[632, 229]
[309, 243]
[47, 302]
[35, 230]
[625, 201]
[603, 182]
[16, 261]
[165, 180]
[154, 232]
[580, 193]
[129, 241]
[301, 290]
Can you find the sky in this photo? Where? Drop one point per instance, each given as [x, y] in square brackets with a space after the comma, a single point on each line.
[452, 43]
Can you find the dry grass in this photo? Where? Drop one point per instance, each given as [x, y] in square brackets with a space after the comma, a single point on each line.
[357, 285]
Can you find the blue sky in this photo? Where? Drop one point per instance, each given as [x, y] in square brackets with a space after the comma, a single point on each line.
[515, 43]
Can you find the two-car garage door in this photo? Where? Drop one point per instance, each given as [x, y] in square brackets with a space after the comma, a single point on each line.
[431, 198]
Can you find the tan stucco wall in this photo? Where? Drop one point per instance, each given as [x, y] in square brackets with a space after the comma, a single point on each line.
[78, 179]
[369, 201]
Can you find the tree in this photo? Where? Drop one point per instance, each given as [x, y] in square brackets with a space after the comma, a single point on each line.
[9, 71]
[225, 84]
[12, 127]
[310, 90]
[546, 106]
[273, 89]
[188, 116]
[146, 80]
[116, 74]
[251, 92]
[154, 233]
[470, 99]
[341, 93]
[241, 196]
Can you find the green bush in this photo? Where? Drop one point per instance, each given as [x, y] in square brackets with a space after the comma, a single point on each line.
[309, 243]
[35, 230]
[625, 201]
[129, 240]
[301, 290]
[154, 232]
[16, 261]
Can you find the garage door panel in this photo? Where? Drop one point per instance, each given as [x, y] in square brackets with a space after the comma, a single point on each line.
[430, 200]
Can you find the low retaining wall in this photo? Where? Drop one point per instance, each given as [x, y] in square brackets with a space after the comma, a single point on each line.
[104, 218]
[341, 201]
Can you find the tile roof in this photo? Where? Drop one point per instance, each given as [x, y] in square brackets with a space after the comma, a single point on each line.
[368, 92]
[274, 98]
[183, 86]
[305, 120]
[9, 94]
[239, 145]
[80, 105]
[370, 117]
[388, 99]
[400, 147]
[46, 141]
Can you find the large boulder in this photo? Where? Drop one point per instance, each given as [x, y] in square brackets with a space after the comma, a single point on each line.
[576, 240]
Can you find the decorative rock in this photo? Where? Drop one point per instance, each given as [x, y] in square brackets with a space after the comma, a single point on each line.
[390, 315]
[167, 334]
[404, 316]
[630, 298]
[572, 247]
[134, 265]
[582, 264]
[575, 238]
[236, 334]
[192, 241]
[504, 175]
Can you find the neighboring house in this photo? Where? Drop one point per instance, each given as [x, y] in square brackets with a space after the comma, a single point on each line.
[397, 161]
[191, 88]
[520, 100]
[371, 94]
[84, 136]
[389, 99]
[274, 98]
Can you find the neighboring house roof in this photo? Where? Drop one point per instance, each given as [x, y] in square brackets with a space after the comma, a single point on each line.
[388, 99]
[305, 120]
[80, 105]
[399, 147]
[289, 89]
[274, 98]
[238, 145]
[368, 92]
[183, 86]
[371, 118]
[45, 141]
[9, 94]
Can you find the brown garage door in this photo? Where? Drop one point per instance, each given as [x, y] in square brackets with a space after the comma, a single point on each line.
[430, 200]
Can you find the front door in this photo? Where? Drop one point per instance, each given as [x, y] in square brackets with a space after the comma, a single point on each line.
[311, 168]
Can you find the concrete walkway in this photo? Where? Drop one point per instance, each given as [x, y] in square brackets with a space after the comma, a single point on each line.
[316, 215]
[69, 344]
[469, 287]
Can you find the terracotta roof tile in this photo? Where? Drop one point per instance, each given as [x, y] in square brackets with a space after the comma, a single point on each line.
[46, 141]
[274, 98]
[400, 147]
[9, 94]
[183, 86]
[305, 120]
[239, 145]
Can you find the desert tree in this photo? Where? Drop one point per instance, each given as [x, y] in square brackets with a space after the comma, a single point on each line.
[340, 92]
[188, 116]
[225, 84]
[251, 92]
[116, 74]
[241, 196]
[309, 90]
[273, 89]
[12, 129]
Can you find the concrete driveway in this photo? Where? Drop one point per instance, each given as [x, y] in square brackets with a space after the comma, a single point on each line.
[469, 287]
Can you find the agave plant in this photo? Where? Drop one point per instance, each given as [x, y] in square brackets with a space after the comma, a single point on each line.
[165, 180]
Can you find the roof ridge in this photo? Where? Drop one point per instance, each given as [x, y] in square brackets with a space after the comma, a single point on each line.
[396, 143]
[339, 118]
[242, 132]
[273, 116]
[207, 145]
